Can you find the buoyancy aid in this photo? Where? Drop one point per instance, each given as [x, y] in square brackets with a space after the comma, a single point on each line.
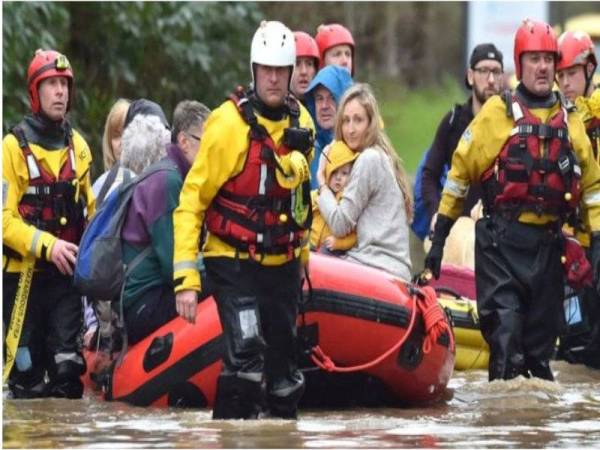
[52, 203]
[536, 169]
[251, 211]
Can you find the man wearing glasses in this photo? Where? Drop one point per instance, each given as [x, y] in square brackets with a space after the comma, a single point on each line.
[485, 78]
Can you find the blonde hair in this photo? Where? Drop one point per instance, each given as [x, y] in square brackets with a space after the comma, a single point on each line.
[113, 128]
[375, 136]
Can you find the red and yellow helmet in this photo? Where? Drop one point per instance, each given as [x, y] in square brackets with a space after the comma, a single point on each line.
[331, 35]
[47, 64]
[306, 46]
[575, 48]
[533, 36]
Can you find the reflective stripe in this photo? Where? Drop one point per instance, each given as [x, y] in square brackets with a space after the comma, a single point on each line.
[182, 265]
[514, 131]
[34, 241]
[456, 189]
[517, 111]
[259, 238]
[31, 190]
[592, 199]
[34, 170]
[251, 376]
[62, 357]
[262, 189]
[286, 391]
[72, 157]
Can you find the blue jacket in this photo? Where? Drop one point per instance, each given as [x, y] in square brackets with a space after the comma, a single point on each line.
[336, 79]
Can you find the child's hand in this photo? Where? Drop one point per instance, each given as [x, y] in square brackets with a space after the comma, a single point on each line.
[329, 242]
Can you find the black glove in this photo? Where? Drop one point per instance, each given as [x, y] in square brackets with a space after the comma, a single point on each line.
[595, 247]
[433, 261]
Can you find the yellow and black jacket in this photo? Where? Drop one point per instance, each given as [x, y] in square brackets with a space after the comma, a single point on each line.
[51, 154]
[222, 156]
[481, 143]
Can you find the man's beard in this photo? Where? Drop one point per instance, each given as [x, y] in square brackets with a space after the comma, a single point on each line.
[480, 94]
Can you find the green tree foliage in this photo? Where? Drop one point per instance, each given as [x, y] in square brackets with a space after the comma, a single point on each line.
[164, 51]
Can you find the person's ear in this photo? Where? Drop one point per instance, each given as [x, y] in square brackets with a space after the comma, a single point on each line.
[470, 77]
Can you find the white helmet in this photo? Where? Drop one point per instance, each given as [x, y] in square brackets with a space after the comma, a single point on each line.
[273, 45]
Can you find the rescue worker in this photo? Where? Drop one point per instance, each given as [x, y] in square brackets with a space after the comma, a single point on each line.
[307, 63]
[484, 78]
[534, 161]
[575, 71]
[336, 46]
[322, 98]
[46, 189]
[250, 186]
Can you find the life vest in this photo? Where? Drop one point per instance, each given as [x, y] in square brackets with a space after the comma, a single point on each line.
[51, 204]
[593, 132]
[251, 211]
[522, 179]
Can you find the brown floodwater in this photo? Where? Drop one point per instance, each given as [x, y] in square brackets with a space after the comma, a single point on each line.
[519, 413]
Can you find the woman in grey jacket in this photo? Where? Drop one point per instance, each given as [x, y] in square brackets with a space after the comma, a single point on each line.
[376, 202]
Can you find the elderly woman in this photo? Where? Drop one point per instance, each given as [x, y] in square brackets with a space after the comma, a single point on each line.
[144, 142]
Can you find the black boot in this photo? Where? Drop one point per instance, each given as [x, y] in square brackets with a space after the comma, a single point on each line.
[285, 394]
[237, 398]
[540, 369]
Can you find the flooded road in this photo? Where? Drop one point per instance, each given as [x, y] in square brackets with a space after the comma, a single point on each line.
[518, 413]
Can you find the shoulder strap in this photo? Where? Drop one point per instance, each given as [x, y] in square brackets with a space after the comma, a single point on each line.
[108, 182]
[508, 100]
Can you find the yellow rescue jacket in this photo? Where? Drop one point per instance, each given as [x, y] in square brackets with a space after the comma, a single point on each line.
[481, 143]
[18, 235]
[222, 155]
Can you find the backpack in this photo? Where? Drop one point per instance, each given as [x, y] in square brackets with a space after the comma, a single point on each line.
[99, 271]
[421, 219]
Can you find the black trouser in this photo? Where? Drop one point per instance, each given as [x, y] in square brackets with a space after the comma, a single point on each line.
[258, 306]
[519, 281]
[152, 310]
[48, 342]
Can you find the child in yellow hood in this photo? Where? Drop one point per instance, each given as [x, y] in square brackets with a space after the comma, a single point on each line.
[337, 174]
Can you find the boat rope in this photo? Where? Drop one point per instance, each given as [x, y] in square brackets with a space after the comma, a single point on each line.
[425, 301]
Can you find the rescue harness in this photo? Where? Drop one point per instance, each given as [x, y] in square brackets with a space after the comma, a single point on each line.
[252, 211]
[51, 203]
[536, 169]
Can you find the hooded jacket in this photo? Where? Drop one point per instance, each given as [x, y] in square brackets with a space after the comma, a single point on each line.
[336, 79]
[339, 154]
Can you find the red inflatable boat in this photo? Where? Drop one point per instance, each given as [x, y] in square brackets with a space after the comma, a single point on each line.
[367, 339]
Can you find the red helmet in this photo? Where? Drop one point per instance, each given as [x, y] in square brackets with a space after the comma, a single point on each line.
[306, 46]
[331, 35]
[575, 48]
[533, 36]
[46, 64]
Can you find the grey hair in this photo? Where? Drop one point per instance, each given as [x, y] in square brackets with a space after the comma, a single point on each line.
[187, 114]
[144, 142]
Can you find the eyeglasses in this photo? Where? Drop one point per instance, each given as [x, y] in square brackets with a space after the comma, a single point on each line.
[485, 71]
[193, 136]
